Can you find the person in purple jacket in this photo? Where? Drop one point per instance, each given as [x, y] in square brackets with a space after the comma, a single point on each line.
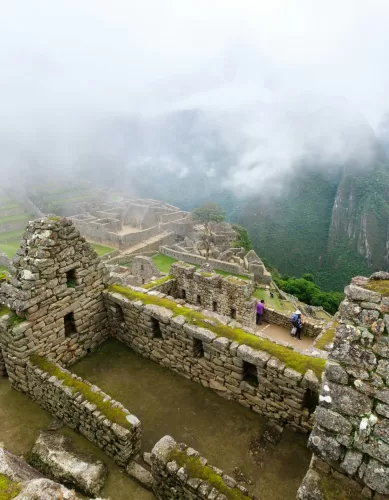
[260, 309]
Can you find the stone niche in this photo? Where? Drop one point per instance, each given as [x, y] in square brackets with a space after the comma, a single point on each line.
[54, 292]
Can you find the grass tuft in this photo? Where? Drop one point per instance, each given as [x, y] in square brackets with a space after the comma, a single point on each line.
[291, 358]
[327, 336]
[195, 469]
[380, 286]
[15, 320]
[154, 283]
[4, 310]
[113, 413]
[8, 489]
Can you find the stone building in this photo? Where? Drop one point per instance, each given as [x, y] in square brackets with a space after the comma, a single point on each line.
[228, 296]
[55, 286]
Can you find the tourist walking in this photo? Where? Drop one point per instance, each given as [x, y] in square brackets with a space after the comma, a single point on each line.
[260, 309]
[298, 323]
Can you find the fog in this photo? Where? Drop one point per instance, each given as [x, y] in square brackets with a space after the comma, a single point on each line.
[273, 85]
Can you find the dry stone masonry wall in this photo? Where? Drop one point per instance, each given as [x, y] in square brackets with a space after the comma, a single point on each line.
[55, 285]
[180, 472]
[237, 372]
[63, 401]
[351, 433]
[228, 296]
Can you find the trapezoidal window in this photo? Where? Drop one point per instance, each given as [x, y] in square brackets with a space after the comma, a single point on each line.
[311, 400]
[198, 300]
[156, 329]
[214, 306]
[250, 374]
[233, 312]
[119, 314]
[183, 293]
[71, 279]
[70, 325]
[198, 348]
[142, 267]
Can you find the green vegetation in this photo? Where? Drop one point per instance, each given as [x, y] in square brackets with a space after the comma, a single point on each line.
[380, 286]
[154, 283]
[163, 262]
[8, 489]
[13, 218]
[243, 238]
[327, 336]
[292, 359]
[10, 242]
[104, 406]
[101, 249]
[273, 302]
[305, 290]
[204, 215]
[195, 469]
[10, 205]
[16, 320]
[4, 310]
[3, 276]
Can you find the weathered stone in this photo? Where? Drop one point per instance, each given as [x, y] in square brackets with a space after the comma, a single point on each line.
[373, 447]
[346, 400]
[382, 409]
[272, 433]
[140, 474]
[381, 430]
[324, 445]
[311, 487]
[357, 293]
[332, 421]
[258, 358]
[377, 477]
[335, 373]
[381, 347]
[52, 454]
[351, 461]
[310, 381]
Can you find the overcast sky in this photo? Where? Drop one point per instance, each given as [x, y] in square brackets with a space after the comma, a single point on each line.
[63, 61]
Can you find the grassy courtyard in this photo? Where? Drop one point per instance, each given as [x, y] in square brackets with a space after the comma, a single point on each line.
[101, 249]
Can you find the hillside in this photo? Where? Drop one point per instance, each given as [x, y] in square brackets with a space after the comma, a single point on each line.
[335, 228]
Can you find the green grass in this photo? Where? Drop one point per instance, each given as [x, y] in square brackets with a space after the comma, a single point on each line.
[380, 286]
[13, 218]
[101, 249]
[163, 263]
[275, 302]
[15, 320]
[10, 248]
[8, 489]
[292, 359]
[327, 336]
[11, 235]
[4, 310]
[113, 413]
[154, 283]
[11, 205]
[195, 469]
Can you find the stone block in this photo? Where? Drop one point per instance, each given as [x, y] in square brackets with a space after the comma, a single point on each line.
[335, 373]
[332, 421]
[373, 447]
[357, 293]
[324, 445]
[351, 461]
[376, 477]
[346, 400]
[253, 356]
[310, 381]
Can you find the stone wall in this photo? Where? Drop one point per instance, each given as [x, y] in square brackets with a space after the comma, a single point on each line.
[280, 319]
[228, 296]
[55, 285]
[249, 376]
[173, 476]
[120, 441]
[351, 433]
[229, 267]
[4, 260]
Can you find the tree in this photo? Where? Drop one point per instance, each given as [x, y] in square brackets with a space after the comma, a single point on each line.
[204, 215]
[243, 238]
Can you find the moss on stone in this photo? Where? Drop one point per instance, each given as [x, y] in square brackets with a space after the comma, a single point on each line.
[195, 469]
[337, 490]
[8, 489]
[114, 414]
[154, 283]
[291, 358]
[3, 276]
[380, 286]
[206, 275]
[327, 336]
[4, 310]
[15, 320]
[54, 218]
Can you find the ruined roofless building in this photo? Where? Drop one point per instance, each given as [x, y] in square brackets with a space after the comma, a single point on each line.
[56, 283]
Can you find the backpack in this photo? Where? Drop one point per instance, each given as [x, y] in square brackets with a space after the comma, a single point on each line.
[294, 319]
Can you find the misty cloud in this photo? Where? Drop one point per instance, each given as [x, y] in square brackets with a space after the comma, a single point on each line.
[281, 83]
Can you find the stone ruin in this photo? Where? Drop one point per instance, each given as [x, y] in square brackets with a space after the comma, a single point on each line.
[350, 439]
[62, 305]
[141, 270]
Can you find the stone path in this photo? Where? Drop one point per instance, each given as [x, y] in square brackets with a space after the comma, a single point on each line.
[275, 332]
[143, 244]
